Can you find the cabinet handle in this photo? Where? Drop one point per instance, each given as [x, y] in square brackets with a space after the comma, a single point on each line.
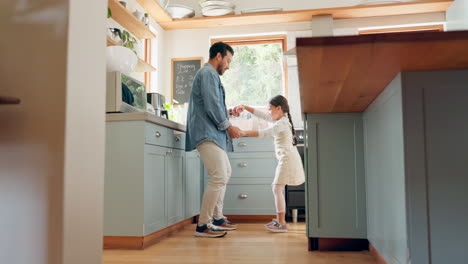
[157, 134]
[243, 164]
[242, 144]
[177, 139]
[243, 196]
[9, 100]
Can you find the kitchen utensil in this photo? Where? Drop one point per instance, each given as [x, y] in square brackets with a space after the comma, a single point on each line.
[217, 3]
[180, 11]
[217, 11]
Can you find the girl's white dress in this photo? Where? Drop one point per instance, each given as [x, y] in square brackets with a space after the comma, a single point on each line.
[290, 170]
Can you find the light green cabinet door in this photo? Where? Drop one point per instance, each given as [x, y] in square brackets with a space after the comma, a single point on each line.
[154, 189]
[192, 183]
[335, 177]
[175, 186]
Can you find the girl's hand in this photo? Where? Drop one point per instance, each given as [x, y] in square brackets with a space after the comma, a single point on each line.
[243, 133]
[238, 110]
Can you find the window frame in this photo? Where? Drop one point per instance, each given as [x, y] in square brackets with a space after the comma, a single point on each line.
[258, 40]
[147, 59]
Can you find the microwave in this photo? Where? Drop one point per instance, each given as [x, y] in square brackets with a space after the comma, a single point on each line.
[124, 94]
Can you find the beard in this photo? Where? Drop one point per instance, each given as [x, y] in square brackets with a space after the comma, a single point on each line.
[219, 69]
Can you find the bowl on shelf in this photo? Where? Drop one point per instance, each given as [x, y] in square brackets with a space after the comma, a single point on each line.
[120, 59]
[180, 11]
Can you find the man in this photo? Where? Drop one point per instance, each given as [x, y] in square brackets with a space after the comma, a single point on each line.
[210, 132]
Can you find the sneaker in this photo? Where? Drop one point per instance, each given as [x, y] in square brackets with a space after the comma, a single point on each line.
[277, 228]
[209, 230]
[273, 221]
[224, 224]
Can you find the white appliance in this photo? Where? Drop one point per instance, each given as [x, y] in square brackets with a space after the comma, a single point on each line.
[124, 94]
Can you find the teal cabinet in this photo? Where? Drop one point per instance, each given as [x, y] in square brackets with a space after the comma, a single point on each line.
[145, 179]
[253, 164]
[155, 188]
[335, 179]
[175, 186]
[193, 183]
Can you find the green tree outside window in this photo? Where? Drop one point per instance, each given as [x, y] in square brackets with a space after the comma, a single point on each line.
[255, 74]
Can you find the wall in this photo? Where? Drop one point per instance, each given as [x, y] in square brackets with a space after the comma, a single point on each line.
[83, 172]
[385, 174]
[457, 15]
[196, 43]
[50, 204]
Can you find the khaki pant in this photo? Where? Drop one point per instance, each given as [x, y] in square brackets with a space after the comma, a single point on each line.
[219, 171]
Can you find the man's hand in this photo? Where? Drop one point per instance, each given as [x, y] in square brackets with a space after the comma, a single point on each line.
[234, 132]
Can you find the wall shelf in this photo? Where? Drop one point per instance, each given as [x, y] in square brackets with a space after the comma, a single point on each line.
[124, 17]
[155, 10]
[142, 65]
[417, 7]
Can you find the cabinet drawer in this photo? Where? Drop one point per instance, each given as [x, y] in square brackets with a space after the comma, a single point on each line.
[242, 199]
[247, 144]
[157, 135]
[263, 167]
[176, 139]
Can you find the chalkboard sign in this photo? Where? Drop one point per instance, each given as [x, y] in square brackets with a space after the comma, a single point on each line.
[183, 72]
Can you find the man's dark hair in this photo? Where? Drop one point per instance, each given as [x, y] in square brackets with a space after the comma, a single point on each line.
[220, 47]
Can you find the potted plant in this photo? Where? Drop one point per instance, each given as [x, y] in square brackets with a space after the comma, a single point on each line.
[128, 40]
[146, 19]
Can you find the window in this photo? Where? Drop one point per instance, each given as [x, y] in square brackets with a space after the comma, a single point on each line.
[256, 72]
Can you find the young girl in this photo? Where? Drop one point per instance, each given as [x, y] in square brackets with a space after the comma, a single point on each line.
[289, 170]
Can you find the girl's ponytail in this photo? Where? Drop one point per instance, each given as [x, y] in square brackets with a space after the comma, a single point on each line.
[293, 130]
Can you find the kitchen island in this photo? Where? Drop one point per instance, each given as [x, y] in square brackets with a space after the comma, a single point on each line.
[386, 146]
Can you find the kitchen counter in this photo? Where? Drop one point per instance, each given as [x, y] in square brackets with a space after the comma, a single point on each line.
[144, 116]
[346, 74]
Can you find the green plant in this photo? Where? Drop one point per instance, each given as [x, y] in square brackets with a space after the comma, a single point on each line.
[109, 13]
[128, 40]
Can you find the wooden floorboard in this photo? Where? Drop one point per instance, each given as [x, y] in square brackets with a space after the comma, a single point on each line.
[250, 244]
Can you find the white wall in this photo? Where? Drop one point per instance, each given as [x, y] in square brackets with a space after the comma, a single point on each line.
[83, 184]
[385, 174]
[196, 43]
[50, 177]
[457, 15]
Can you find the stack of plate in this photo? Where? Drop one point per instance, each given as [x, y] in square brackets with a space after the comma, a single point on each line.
[216, 8]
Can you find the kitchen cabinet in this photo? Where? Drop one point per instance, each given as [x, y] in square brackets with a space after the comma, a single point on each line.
[145, 179]
[253, 164]
[335, 178]
[193, 183]
[175, 186]
[155, 188]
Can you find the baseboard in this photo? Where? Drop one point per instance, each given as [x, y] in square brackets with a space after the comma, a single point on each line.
[376, 254]
[129, 242]
[250, 218]
[338, 244]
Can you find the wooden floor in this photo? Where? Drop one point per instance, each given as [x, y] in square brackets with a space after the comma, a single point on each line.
[250, 244]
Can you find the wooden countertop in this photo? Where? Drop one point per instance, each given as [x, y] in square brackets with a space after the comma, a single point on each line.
[345, 74]
[144, 116]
